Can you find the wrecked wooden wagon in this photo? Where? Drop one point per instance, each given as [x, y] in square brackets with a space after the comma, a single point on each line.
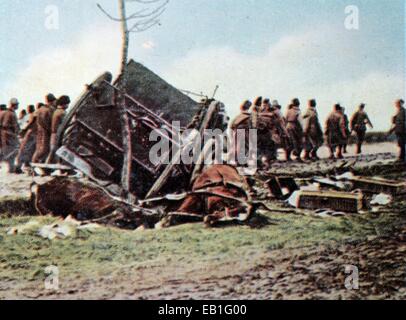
[90, 140]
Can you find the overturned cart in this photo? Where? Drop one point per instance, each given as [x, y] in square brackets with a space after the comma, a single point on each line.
[90, 140]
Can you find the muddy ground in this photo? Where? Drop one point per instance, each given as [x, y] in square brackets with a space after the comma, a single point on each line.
[296, 256]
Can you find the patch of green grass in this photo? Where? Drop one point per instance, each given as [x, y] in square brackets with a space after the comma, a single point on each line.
[24, 257]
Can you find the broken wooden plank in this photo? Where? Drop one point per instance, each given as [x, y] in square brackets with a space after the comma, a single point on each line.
[51, 166]
[377, 185]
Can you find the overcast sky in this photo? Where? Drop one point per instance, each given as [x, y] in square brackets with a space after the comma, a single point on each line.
[276, 48]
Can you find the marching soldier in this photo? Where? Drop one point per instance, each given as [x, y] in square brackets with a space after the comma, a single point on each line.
[51, 102]
[279, 134]
[284, 136]
[255, 109]
[399, 128]
[359, 123]
[267, 123]
[294, 128]
[241, 122]
[244, 112]
[266, 106]
[57, 118]
[335, 132]
[39, 106]
[27, 147]
[312, 132]
[43, 121]
[9, 134]
[277, 107]
[347, 129]
[256, 106]
[253, 125]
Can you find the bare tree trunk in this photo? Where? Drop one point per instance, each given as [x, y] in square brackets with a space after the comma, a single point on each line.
[126, 39]
[121, 102]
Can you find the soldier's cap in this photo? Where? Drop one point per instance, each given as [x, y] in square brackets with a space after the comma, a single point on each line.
[50, 97]
[296, 102]
[258, 101]
[312, 102]
[276, 104]
[245, 106]
[63, 100]
[14, 102]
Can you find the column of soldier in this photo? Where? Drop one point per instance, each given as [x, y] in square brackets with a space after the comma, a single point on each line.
[30, 137]
[301, 135]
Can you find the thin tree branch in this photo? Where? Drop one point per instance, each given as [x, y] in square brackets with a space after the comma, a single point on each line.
[107, 14]
[137, 29]
[146, 24]
[139, 14]
[157, 11]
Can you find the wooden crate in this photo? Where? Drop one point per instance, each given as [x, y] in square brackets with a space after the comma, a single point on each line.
[337, 201]
[374, 185]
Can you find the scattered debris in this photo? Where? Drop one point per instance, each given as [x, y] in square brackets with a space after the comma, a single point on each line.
[52, 169]
[322, 213]
[294, 199]
[282, 187]
[311, 187]
[67, 228]
[335, 185]
[381, 199]
[61, 230]
[57, 231]
[26, 228]
[345, 176]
